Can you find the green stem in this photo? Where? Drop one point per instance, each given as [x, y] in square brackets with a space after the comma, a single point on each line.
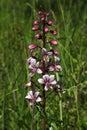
[60, 107]
[60, 101]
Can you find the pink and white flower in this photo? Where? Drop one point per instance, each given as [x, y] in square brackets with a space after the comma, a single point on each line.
[34, 67]
[30, 60]
[55, 67]
[56, 59]
[48, 81]
[46, 54]
[33, 97]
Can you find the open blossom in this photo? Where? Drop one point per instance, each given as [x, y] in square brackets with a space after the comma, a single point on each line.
[46, 54]
[48, 81]
[30, 60]
[56, 59]
[33, 97]
[34, 67]
[55, 67]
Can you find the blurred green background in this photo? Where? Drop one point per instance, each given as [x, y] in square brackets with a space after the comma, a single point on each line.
[16, 21]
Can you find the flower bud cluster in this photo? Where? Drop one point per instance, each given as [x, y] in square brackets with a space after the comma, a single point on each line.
[48, 63]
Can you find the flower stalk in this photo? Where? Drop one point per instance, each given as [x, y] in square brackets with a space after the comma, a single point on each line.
[45, 66]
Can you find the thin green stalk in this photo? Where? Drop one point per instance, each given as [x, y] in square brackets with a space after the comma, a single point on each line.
[76, 99]
[32, 125]
[60, 101]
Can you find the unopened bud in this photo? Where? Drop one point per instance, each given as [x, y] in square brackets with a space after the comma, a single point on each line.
[54, 42]
[49, 22]
[39, 12]
[32, 46]
[47, 14]
[53, 32]
[38, 36]
[35, 28]
[36, 22]
[46, 29]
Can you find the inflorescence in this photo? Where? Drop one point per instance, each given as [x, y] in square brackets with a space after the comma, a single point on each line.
[45, 62]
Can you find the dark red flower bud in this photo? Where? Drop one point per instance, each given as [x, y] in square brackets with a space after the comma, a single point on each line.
[55, 52]
[47, 14]
[53, 32]
[49, 22]
[32, 46]
[42, 18]
[36, 22]
[38, 36]
[46, 29]
[56, 90]
[39, 12]
[35, 28]
[54, 42]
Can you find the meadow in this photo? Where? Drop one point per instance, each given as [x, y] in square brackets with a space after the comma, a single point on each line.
[66, 111]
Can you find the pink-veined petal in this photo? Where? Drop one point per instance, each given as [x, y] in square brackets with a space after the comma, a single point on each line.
[31, 103]
[54, 82]
[51, 78]
[44, 51]
[36, 94]
[56, 58]
[31, 75]
[45, 88]
[46, 77]
[58, 68]
[39, 71]
[29, 60]
[38, 99]
[41, 81]
[49, 53]
[51, 68]
[28, 96]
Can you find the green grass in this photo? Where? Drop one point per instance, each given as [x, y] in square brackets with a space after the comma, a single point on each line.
[16, 21]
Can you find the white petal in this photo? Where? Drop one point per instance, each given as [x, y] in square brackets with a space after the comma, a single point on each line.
[44, 51]
[49, 53]
[51, 68]
[54, 82]
[39, 71]
[58, 68]
[56, 58]
[38, 99]
[51, 78]
[46, 88]
[46, 77]
[29, 95]
[30, 66]
[41, 81]
[36, 94]
[31, 75]
[28, 84]
[37, 63]
[31, 103]
[33, 62]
